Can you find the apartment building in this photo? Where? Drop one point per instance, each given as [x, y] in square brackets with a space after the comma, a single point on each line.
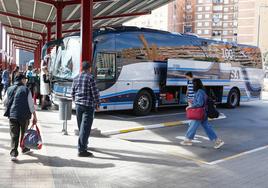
[253, 23]
[181, 16]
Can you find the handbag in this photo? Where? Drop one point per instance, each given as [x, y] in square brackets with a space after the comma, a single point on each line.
[9, 103]
[32, 138]
[196, 113]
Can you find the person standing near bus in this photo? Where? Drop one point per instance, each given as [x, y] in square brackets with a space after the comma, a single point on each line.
[199, 100]
[5, 80]
[190, 91]
[87, 100]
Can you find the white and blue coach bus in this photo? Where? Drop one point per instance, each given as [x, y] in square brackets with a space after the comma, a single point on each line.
[143, 69]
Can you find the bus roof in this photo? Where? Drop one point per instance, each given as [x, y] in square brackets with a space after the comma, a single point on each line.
[121, 29]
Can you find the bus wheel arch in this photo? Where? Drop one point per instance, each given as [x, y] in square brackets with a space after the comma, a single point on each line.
[144, 102]
[233, 99]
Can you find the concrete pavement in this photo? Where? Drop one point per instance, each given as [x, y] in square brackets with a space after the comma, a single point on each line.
[120, 162]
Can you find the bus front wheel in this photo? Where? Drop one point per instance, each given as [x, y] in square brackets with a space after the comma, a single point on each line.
[233, 98]
[143, 103]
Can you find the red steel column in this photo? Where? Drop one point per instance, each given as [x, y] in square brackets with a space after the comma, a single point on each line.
[49, 25]
[6, 64]
[86, 31]
[59, 21]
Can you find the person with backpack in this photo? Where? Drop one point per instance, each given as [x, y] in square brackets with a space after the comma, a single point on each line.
[19, 109]
[190, 91]
[200, 101]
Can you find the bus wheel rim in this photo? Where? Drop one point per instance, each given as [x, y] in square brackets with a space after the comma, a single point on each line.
[234, 99]
[143, 102]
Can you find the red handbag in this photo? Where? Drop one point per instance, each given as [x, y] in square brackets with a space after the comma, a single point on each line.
[195, 113]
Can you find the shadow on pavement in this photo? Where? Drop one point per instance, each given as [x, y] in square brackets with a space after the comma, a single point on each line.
[60, 162]
[118, 155]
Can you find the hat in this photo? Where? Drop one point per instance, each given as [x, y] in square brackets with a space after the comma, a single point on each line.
[19, 77]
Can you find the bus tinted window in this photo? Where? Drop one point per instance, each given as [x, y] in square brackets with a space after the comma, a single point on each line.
[106, 66]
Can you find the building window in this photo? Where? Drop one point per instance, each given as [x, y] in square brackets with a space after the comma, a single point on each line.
[206, 31]
[207, 16]
[226, 9]
[200, 1]
[225, 17]
[207, 8]
[188, 7]
[188, 29]
[199, 8]
[226, 1]
[199, 24]
[206, 24]
[189, 17]
[199, 32]
[225, 24]
[199, 16]
[217, 8]
[225, 33]
[217, 1]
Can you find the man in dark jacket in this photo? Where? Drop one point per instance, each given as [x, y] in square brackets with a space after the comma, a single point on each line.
[21, 110]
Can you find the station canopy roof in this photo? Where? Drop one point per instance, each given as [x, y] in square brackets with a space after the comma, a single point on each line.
[44, 12]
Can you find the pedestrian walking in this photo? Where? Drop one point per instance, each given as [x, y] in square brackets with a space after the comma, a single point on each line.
[86, 97]
[190, 91]
[5, 80]
[14, 73]
[200, 100]
[20, 108]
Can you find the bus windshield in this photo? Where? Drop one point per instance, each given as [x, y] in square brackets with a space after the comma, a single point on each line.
[67, 62]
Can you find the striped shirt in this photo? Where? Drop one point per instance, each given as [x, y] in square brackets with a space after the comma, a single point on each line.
[84, 90]
[190, 90]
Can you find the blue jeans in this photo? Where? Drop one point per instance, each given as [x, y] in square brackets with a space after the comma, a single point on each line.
[194, 124]
[84, 115]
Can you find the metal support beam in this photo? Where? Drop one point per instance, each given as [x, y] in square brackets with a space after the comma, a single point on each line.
[26, 45]
[22, 17]
[23, 41]
[109, 17]
[13, 34]
[25, 49]
[22, 29]
[20, 45]
[86, 30]
[59, 22]
[68, 31]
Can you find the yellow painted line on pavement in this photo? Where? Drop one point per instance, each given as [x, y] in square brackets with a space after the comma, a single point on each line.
[132, 129]
[154, 126]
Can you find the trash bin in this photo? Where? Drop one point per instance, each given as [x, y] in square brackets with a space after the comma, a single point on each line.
[65, 109]
[65, 112]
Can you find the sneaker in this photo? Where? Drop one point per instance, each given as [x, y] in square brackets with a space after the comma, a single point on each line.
[25, 151]
[186, 142]
[14, 158]
[219, 143]
[85, 154]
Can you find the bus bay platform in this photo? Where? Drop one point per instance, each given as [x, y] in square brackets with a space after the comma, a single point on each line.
[146, 158]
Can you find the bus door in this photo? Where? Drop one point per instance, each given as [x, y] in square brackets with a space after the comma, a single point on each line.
[106, 77]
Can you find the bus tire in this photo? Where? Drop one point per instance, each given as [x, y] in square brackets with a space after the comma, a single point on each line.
[233, 98]
[143, 103]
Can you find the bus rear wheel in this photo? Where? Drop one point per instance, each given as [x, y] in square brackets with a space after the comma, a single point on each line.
[143, 103]
[233, 98]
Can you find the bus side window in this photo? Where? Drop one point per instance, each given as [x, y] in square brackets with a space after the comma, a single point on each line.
[105, 64]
